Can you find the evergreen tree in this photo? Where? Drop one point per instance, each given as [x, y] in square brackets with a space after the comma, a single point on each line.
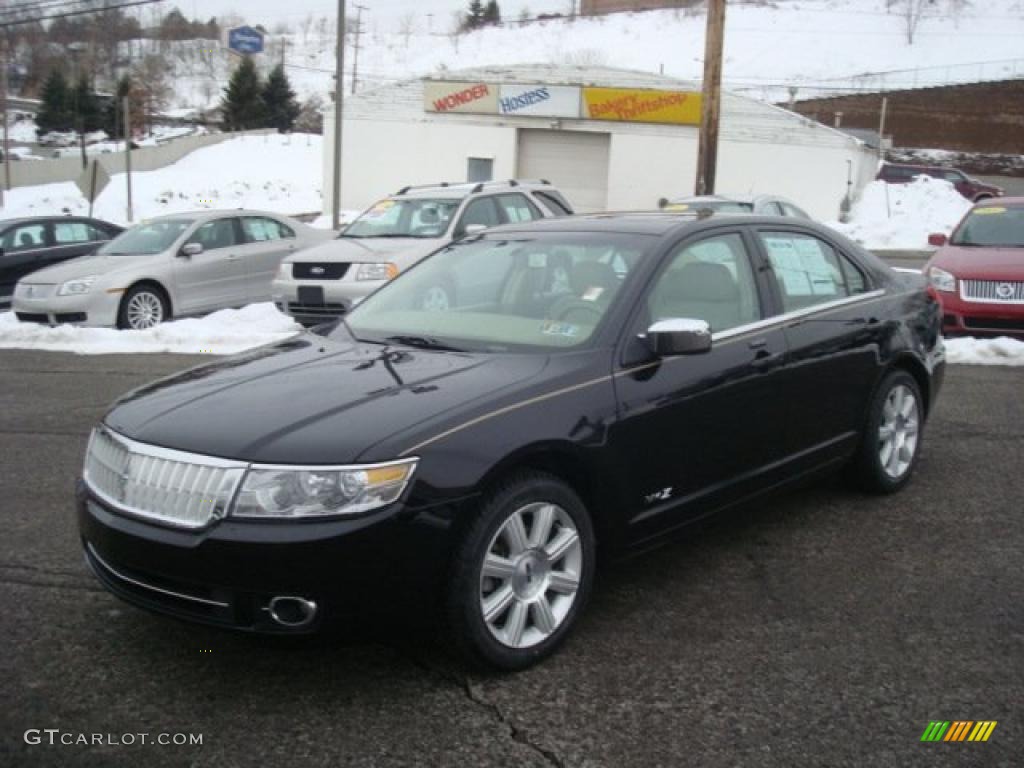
[475, 15]
[85, 106]
[242, 105]
[492, 13]
[279, 101]
[54, 114]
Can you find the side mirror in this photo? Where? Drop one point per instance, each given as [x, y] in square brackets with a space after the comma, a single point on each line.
[191, 249]
[679, 336]
[472, 229]
[937, 239]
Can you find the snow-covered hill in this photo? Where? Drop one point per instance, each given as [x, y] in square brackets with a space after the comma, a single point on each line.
[813, 44]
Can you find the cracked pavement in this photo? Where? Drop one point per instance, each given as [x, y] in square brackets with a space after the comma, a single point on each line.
[818, 628]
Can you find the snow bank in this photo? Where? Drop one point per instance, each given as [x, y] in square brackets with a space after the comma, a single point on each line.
[901, 216]
[221, 333]
[999, 351]
[272, 172]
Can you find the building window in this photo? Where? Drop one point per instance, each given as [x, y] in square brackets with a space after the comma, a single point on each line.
[479, 168]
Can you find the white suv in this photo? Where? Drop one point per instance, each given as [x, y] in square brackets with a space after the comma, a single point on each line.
[324, 282]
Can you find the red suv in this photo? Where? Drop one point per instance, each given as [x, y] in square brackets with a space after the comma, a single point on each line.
[972, 189]
[978, 274]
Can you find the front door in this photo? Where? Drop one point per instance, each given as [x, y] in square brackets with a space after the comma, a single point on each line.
[25, 247]
[696, 431]
[215, 278]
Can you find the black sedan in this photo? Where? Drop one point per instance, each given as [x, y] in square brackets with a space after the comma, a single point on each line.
[595, 384]
[29, 244]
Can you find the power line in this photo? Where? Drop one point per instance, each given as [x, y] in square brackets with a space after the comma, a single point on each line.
[67, 14]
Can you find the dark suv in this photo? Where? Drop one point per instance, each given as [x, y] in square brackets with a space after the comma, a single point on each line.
[971, 188]
[29, 244]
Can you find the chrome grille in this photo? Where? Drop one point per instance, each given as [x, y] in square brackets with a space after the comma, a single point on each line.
[173, 487]
[992, 291]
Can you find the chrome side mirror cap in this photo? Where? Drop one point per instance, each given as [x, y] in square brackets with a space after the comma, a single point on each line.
[679, 336]
[191, 249]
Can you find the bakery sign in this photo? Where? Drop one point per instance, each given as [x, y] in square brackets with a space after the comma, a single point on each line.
[636, 105]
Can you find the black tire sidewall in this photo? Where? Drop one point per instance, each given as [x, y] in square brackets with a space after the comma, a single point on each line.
[872, 474]
[122, 312]
[466, 623]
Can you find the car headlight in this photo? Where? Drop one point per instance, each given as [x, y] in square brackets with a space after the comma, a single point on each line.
[941, 280]
[280, 491]
[77, 286]
[284, 270]
[382, 271]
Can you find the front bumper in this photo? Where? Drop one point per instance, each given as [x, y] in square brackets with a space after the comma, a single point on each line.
[339, 296]
[978, 318]
[96, 308]
[388, 563]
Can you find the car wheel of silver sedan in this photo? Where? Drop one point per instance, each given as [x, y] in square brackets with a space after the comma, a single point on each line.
[142, 307]
[523, 572]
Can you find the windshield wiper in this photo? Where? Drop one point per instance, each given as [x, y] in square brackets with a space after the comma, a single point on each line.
[423, 342]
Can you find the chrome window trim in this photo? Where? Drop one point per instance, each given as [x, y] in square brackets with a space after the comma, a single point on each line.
[799, 314]
[151, 587]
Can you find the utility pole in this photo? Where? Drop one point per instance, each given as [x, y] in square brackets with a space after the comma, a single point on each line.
[881, 127]
[7, 144]
[128, 153]
[339, 95]
[707, 152]
[355, 45]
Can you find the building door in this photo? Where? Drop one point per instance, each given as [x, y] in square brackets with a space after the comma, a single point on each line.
[574, 161]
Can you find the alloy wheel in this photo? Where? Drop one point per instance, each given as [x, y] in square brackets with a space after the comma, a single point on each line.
[530, 575]
[898, 432]
[144, 310]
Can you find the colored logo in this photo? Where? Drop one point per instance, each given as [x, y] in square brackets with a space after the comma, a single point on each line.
[958, 730]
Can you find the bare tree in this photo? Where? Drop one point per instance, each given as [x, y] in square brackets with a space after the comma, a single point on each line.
[912, 12]
[154, 92]
[306, 25]
[407, 27]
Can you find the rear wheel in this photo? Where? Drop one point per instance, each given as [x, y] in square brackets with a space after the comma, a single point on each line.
[522, 573]
[892, 439]
[144, 306]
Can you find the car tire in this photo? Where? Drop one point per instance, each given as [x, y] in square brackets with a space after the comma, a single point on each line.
[143, 306]
[529, 559]
[891, 442]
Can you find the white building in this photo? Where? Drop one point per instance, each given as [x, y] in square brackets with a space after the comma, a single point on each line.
[610, 139]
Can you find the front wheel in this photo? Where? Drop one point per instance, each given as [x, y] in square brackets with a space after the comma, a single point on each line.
[142, 307]
[522, 573]
[892, 438]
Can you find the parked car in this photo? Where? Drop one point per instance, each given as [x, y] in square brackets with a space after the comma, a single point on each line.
[971, 188]
[978, 273]
[763, 205]
[324, 283]
[170, 266]
[30, 244]
[465, 461]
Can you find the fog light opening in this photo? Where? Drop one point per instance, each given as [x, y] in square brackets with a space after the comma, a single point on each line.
[290, 611]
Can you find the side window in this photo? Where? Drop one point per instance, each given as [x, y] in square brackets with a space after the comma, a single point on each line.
[773, 209]
[809, 271]
[98, 233]
[24, 238]
[517, 208]
[555, 203]
[480, 211]
[259, 229]
[710, 280]
[792, 210]
[212, 235]
[71, 232]
[954, 176]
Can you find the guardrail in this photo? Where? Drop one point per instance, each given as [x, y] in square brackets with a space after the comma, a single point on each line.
[27, 173]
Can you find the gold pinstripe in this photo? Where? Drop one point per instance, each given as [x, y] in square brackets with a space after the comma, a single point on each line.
[724, 337]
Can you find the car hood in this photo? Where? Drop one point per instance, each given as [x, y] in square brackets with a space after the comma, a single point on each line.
[369, 249]
[94, 264]
[981, 263]
[312, 400]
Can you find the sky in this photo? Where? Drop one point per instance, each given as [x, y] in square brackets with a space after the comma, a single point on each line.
[386, 12]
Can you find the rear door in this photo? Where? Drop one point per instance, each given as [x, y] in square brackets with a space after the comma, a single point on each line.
[831, 312]
[215, 278]
[265, 242]
[697, 430]
[516, 207]
[25, 248]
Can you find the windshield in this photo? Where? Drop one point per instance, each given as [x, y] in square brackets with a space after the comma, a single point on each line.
[520, 293]
[718, 206]
[993, 225]
[144, 239]
[420, 217]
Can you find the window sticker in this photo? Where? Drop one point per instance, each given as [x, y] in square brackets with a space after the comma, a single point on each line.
[989, 211]
[568, 330]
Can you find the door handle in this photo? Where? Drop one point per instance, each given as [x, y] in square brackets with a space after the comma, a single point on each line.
[758, 344]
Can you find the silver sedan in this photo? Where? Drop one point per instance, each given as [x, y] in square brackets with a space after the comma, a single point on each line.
[171, 266]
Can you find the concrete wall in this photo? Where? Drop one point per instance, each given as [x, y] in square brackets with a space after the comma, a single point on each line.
[25, 173]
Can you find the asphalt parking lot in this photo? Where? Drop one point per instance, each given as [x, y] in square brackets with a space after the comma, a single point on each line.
[822, 628]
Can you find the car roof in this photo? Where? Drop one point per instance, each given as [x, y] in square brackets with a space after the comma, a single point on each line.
[717, 199]
[462, 189]
[207, 214]
[54, 217]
